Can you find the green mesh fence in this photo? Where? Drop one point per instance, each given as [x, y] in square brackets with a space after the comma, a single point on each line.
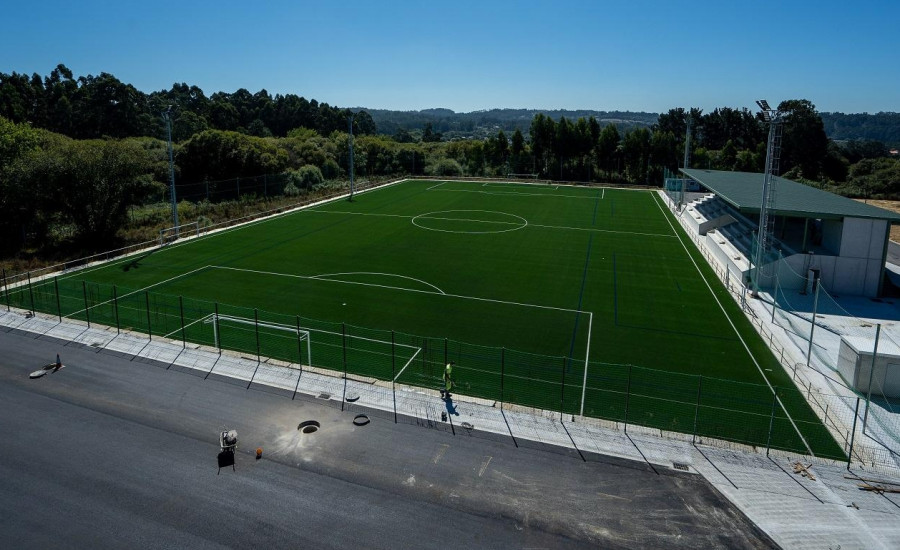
[704, 407]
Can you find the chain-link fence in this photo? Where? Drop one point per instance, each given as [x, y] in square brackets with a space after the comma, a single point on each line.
[839, 362]
[706, 408]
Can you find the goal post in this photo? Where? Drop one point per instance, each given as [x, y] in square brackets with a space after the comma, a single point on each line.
[171, 234]
[300, 336]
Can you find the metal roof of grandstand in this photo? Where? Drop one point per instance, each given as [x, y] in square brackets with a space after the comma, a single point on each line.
[743, 190]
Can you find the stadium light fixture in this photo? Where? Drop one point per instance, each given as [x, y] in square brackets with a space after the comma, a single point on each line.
[167, 115]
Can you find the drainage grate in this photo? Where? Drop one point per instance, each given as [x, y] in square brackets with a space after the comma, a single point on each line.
[324, 395]
[680, 466]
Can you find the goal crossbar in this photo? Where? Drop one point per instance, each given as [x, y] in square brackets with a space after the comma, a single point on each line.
[214, 319]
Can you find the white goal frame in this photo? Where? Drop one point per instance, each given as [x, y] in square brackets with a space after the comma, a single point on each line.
[301, 334]
[171, 234]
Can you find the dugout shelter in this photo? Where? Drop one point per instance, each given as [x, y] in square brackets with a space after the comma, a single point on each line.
[819, 237]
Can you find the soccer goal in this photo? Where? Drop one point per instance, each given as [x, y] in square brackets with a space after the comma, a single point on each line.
[270, 332]
[171, 234]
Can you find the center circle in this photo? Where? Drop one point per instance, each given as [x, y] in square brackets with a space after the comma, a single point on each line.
[480, 221]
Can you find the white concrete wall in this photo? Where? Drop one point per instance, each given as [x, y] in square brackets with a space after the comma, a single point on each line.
[863, 238]
[831, 235]
[855, 368]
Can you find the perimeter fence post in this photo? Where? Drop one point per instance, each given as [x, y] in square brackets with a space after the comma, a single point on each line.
[562, 390]
[771, 420]
[300, 348]
[393, 367]
[256, 324]
[147, 300]
[853, 434]
[87, 310]
[6, 289]
[627, 396]
[116, 308]
[58, 308]
[777, 284]
[344, 346]
[31, 293]
[217, 334]
[181, 310]
[697, 409]
[502, 368]
[871, 374]
[812, 327]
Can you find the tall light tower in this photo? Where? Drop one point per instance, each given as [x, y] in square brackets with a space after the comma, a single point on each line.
[350, 122]
[775, 119]
[167, 115]
[687, 159]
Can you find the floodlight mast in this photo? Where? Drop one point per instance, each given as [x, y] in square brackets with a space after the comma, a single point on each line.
[167, 115]
[350, 121]
[774, 118]
[687, 160]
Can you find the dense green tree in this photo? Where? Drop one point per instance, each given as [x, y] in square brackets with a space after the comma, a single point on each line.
[804, 143]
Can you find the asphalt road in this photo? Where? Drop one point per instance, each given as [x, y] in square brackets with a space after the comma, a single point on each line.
[109, 452]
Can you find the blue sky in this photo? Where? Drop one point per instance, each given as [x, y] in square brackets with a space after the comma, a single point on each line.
[638, 55]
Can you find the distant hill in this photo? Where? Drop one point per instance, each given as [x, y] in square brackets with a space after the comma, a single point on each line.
[479, 124]
[884, 127]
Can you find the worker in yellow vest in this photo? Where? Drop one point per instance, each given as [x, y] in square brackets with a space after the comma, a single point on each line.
[448, 380]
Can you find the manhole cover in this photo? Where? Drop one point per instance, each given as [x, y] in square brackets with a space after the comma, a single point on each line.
[680, 466]
[309, 426]
[324, 395]
[351, 397]
[361, 420]
[468, 425]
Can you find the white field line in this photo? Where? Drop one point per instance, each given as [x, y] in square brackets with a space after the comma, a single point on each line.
[460, 296]
[730, 322]
[437, 185]
[142, 289]
[603, 194]
[327, 275]
[200, 320]
[594, 229]
[562, 227]
[587, 354]
[407, 363]
[516, 193]
[221, 231]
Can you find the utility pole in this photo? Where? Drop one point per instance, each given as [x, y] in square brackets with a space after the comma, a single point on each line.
[167, 115]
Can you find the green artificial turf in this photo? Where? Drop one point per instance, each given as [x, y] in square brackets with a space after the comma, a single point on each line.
[518, 284]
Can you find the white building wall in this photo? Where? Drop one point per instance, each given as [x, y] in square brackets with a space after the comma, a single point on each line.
[831, 235]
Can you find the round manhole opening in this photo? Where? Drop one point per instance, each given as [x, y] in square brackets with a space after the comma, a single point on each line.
[352, 397]
[361, 420]
[309, 426]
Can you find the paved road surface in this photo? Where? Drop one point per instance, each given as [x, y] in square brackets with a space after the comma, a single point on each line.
[109, 452]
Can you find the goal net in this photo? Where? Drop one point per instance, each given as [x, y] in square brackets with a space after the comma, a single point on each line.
[284, 342]
[171, 234]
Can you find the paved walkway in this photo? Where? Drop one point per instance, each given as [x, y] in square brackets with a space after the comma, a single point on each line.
[795, 511]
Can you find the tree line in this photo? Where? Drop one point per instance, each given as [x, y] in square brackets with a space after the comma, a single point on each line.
[76, 153]
[92, 107]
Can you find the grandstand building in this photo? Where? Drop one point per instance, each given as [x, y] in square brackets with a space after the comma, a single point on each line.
[822, 238]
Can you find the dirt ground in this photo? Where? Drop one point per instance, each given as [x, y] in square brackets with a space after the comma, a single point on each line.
[893, 206]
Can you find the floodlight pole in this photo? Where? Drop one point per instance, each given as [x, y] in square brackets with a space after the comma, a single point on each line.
[167, 115]
[350, 122]
[773, 118]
